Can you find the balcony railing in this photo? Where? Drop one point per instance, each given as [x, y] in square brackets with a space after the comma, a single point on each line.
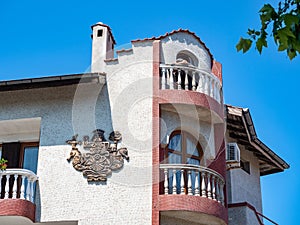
[190, 78]
[193, 180]
[17, 184]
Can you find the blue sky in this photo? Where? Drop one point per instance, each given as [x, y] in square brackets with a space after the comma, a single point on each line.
[52, 37]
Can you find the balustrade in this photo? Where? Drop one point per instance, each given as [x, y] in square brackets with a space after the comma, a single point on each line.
[176, 77]
[17, 183]
[194, 180]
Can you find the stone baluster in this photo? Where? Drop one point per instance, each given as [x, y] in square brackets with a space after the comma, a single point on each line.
[217, 190]
[7, 187]
[197, 192]
[194, 81]
[15, 186]
[28, 190]
[213, 187]
[167, 79]
[190, 183]
[208, 186]
[212, 87]
[179, 79]
[186, 80]
[222, 193]
[163, 78]
[215, 90]
[171, 79]
[22, 191]
[203, 185]
[174, 182]
[31, 190]
[182, 182]
[206, 84]
[201, 83]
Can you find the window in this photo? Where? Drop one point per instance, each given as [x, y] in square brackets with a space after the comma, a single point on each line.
[183, 148]
[245, 165]
[20, 155]
[99, 33]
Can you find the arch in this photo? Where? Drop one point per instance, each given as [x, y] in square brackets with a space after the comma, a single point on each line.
[186, 57]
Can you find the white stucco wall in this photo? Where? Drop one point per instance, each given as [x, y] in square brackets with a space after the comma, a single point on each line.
[63, 193]
[244, 187]
[173, 44]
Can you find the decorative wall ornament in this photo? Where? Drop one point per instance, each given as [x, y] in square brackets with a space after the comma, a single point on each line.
[102, 157]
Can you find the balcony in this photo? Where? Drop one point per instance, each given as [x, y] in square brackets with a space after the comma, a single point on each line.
[193, 193]
[176, 77]
[17, 194]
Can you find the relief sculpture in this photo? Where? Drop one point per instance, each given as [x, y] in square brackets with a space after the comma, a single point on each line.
[101, 156]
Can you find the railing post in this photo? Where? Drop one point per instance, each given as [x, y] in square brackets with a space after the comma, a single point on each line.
[28, 189]
[218, 190]
[222, 193]
[174, 182]
[213, 187]
[186, 80]
[208, 186]
[189, 182]
[194, 81]
[212, 86]
[203, 185]
[171, 79]
[31, 190]
[7, 186]
[15, 186]
[179, 80]
[197, 192]
[22, 191]
[182, 182]
[163, 78]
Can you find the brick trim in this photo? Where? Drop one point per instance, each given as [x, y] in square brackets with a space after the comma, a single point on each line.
[192, 204]
[17, 207]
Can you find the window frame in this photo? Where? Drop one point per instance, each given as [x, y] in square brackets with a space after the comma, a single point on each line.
[183, 153]
[22, 151]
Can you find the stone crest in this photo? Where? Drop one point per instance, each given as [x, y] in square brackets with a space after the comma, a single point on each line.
[102, 157]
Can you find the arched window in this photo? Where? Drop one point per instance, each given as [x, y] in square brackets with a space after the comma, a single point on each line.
[183, 148]
[186, 57]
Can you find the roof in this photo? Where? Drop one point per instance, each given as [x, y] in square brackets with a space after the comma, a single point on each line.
[174, 32]
[240, 127]
[53, 81]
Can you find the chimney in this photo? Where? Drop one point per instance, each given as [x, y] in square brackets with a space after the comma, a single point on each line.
[102, 46]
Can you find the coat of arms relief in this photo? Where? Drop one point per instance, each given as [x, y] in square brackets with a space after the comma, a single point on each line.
[101, 156]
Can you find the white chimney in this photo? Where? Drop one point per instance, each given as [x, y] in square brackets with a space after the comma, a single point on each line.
[102, 46]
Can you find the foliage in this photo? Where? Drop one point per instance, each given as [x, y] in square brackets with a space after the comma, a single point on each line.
[3, 164]
[285, 31]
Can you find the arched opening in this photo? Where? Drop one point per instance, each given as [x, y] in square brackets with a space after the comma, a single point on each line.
[186, 58]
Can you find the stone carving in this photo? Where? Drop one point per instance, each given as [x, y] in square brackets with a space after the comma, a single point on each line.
[102, 157]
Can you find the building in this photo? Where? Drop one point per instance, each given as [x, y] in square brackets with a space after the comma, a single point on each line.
[144, 138]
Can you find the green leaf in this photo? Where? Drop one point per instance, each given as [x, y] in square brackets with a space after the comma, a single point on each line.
[243, 44]
[290, 20]
[267, 13]
[260, 43]
[291, 53]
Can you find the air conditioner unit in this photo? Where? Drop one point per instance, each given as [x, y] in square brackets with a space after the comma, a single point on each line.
[232, 155]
